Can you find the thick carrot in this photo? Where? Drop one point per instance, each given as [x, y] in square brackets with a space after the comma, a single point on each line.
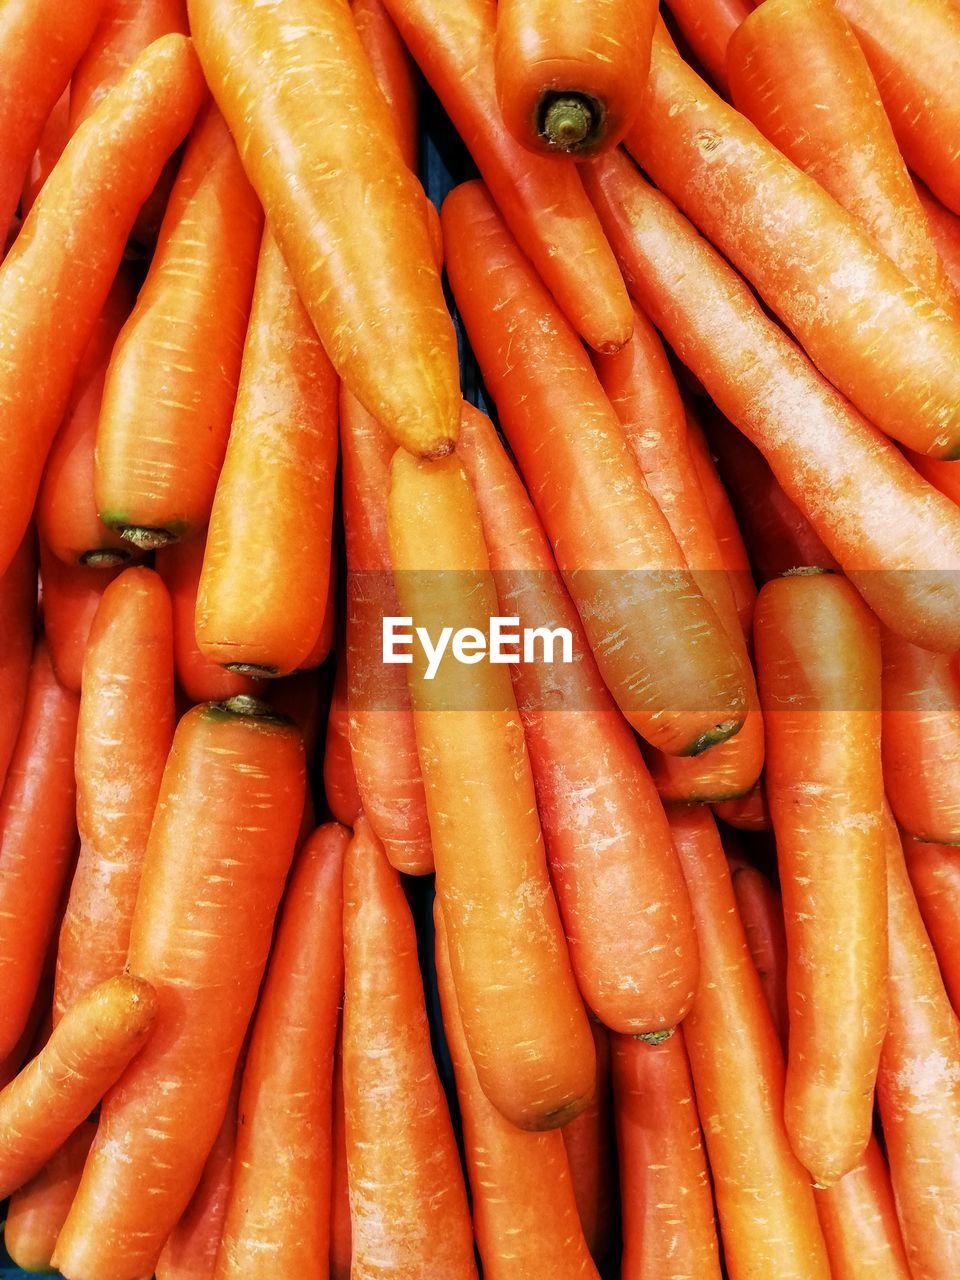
[657, 641]
[278, 1215]
[935, 875]
[393, 70]
[859, 1221]
[71, 595]
[125, 29]
[55, 135]
[768, 1219]
[859, 493]
[341, 1245]
[219, 850]
[37, 839]
[55, 280]
[749, 813]
[408, 1204]
[668, 1222]
[619, 887]
[339, 779]
[883, 343]
[541, 197]
[172, 379]
[591, 1148]
[797, 71]
[383, 745]
[37, 1212]
[707, 26]
[761, 914]
[327, 167]
[18, 606]
[918, 1087]
[818, 668]
[123, 738]
[944, 228]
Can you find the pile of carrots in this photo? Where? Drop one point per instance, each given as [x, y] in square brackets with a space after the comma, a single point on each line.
[644, 961]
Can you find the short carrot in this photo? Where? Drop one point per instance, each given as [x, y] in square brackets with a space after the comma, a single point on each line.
[339, 779]
[38, 1210]
[18, 607]
[408, 1205]
[935, 876]
[124, 733]
[125, 29]
[591, 1147]
[761, 914]
[70, 597]
[220, 847]
[535, 1059]
[393, 71]
[859, 1221]
[657, 641]
[707, 26]
[341, 1244]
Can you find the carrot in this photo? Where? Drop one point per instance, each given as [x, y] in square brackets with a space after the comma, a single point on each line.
[219, 850]
[393, 71]
[859, 1222]
[302, 698]
[591, 1149]
[53, 139]
[125, 29]
[278, 1214]
[67, 519]
[541, 197]
[761, 914]
[768, 1219]
[886, 346]
[339, 779]
[707, 26]
[40, 44]
[55, 280]
[944, 229]
[18, 606]
[668, 1223]
[619, 887]
[748, 813]
[37, 841]
[918, 1087]
[341, 1247]
[172, 379]
[658, 644]
[935, 875]
[855, 488]
[71, 595]
[408, 1206]
[383, 745]
[37, 1211]
[825, 115]
[123, 738]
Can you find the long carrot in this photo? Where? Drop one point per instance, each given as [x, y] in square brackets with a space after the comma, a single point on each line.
[935, 875]
[658, 644]
[944, 228]
[341, 1243]
[70, 597]
[125, 29]
[55, 280]
[541, 197]
[668, 1222]
[36, 1213]
[591, 1147]
[55, 135]
[408, 1205]
[859, 493]
[219, 850]
[885, 345]
[393, 70]
[123, 738]
[535, 1059]
[18, 605]
[859, 1221]
[339, 779]
[618, 883]
[707, 26]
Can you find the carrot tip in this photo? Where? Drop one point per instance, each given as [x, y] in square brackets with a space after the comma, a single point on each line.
[147, 539]
[655, 1037]
[105, 559]
[258, 670]
[713, 737]
[441, 450]
[805, 571]
[569, 121]
[245, 704]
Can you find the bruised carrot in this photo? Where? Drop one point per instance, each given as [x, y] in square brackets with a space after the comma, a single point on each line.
[56, 133]
[339, 779]
[55, 280]
[591, 1148]
[935, 876]
[172, 379]
[71, 595]
[38, 1210]
[668, 1222]
[657, 641]
[864, 500]
[393, 70]
[748, 813]
[341, 1247]
[761, 914]
[123, 737]
[707, 26]
[768, 1218]
[37, 840]
[541, 198]
[125, 29]
[18, 606]
[220, 847]
[618, 883]
[408, 1205]
[859, 1222]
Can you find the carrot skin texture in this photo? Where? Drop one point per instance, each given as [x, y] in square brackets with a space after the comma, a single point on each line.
[341, 1247]
[38, 1210]
[859, 1221]
[55, 135]
[393, 70]
[707, 26]
[541, 197]
[615, 873]
[935, 876]
[55, 280]
[624, 564]
[761, 914]
[768, 1218]
[124, 732]
[125, 29]
[219, 851]
[339, 779]
[18, 606]
[944, 228]
[591, 1148]
[408, 1204]
[388, 333]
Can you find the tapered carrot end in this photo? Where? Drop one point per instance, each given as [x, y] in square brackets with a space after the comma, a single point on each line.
[441, 450]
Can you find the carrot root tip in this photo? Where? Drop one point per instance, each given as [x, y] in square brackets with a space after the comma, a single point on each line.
[805, 571]
[655, 1037]
[245, 704]
[147, 539]
[569, 121]
[105, 559]
[258, 670]
[713, 737]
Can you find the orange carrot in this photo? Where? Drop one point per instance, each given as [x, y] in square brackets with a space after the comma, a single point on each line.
[618, 883]
[859, 1222]
[935, 875]
[123, 738]
[125, 29]
[219, 850]
[707, 26]
[55, 280]
[339, 779]
[591, 1148]
[749, 813]
[341, 1247]
[944, 228]
[408, 1205]
[658, 644]
[302, 698]
[859, 493]
[393, 70]
[761, 914]
[38, 1210]
[18, 606]
[55, 135]
[71, 595]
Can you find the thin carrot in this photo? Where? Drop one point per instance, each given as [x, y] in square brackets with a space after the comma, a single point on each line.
[55, 280]
[18, 606]
[172, 380]
[944, 228]
[535, 1059]
[761, 914]
[859, 1221]
[768, 1219]
[748, 813]
[618, 883]
[393, 70]
[859, 493]
[341, 1245]
[591, 1148]
[668, 1222]
[658, 644]
[38, 1210]
[339, 779]
[707, 26]
[71, 595]
[123, 738]
[125, 29]
[220, 847]
[408, 1204]
[935, 875]
[888, 347]
[55, 135]
[541, 197]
